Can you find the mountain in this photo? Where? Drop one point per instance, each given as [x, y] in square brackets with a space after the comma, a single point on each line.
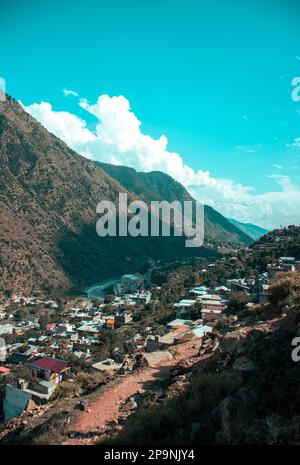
[282, 242]
[160, 186]
[48, 198]
[253, 231]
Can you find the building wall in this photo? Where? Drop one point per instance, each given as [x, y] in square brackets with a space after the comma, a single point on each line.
[15, 401]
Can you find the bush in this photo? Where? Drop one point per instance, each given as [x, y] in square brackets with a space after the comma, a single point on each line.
[90, 381]
[50, 438]
[286, 290]
[67, 389]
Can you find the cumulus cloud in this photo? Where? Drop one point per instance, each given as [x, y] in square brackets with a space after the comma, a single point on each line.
[63, 124]
[118, 139]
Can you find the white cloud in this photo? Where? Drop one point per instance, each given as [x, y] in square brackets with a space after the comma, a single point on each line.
[118, 139]
[70, 93]
[63, 124]
[296, 143]
[249, 148]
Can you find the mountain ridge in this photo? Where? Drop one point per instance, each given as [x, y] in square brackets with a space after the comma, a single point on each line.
[48, 198]
[252, 230]
[156, 185]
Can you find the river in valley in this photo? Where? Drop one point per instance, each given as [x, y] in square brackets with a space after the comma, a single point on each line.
[99, 290]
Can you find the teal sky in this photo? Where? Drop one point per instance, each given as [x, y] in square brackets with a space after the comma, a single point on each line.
[214, 77]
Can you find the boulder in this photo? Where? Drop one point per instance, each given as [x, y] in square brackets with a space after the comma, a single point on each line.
[82, 405]
[31, 405]
[243, 364]
[235, 341]
[73, 434]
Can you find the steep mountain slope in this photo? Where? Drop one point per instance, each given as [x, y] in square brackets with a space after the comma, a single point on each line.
[48, 198]
[252, 230]
[160, 186]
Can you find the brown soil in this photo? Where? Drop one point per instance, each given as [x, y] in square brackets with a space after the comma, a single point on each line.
[105, 408]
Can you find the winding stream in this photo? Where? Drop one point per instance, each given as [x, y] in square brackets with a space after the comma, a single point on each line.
[97, 291]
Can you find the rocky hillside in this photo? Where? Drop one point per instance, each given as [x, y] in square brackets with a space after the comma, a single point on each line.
[280, 242]
[243, 390]
[238, 385]
[48, 198]
[160, 186]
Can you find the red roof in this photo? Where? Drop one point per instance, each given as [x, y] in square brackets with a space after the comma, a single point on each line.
[50, 364]
[4, 370]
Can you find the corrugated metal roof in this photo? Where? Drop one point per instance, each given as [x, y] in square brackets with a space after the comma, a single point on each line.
[50, 364]
[4, 370]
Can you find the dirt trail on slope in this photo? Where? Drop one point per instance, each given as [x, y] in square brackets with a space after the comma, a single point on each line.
[106, 407]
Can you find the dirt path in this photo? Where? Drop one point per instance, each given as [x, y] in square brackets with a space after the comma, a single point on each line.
[106, 407]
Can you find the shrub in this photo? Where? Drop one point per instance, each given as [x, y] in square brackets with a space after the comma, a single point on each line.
[285, 291]
[90, 381]
[50, 438]
[67, 389]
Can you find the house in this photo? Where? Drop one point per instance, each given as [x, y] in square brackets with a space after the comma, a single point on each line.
[33, 319]
[179, 323]
[222, 290]
[174, 336]
[238, 285]
[201, 330]
[82, 346]
[110, 322]
[90, 328]
[198, 291]
[139, 297]
[287, 260]
[275, 270]
[47, 373]
[119, 321]
[129, 282]
[214, 305]
[50, 327]
[4, 370]
[152, 344]
[107, 365]
[184, 306]
[209, 314]
[263, 295]
[7, 329]
[15, 401]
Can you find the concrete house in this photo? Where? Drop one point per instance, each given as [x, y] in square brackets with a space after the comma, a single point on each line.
[47, 373]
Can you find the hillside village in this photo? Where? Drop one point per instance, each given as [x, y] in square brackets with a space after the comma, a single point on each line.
[55, 349]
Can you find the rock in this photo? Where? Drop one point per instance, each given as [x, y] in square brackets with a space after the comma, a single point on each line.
[231, 342]
[257, 332]
[73, 434]
[122, 420]
[243, 364]
[30, 405]
[197, 431]
[82, 405]
[93, 432]
[247, 397]
[131, 404]
[113, 422]
[233, 416]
